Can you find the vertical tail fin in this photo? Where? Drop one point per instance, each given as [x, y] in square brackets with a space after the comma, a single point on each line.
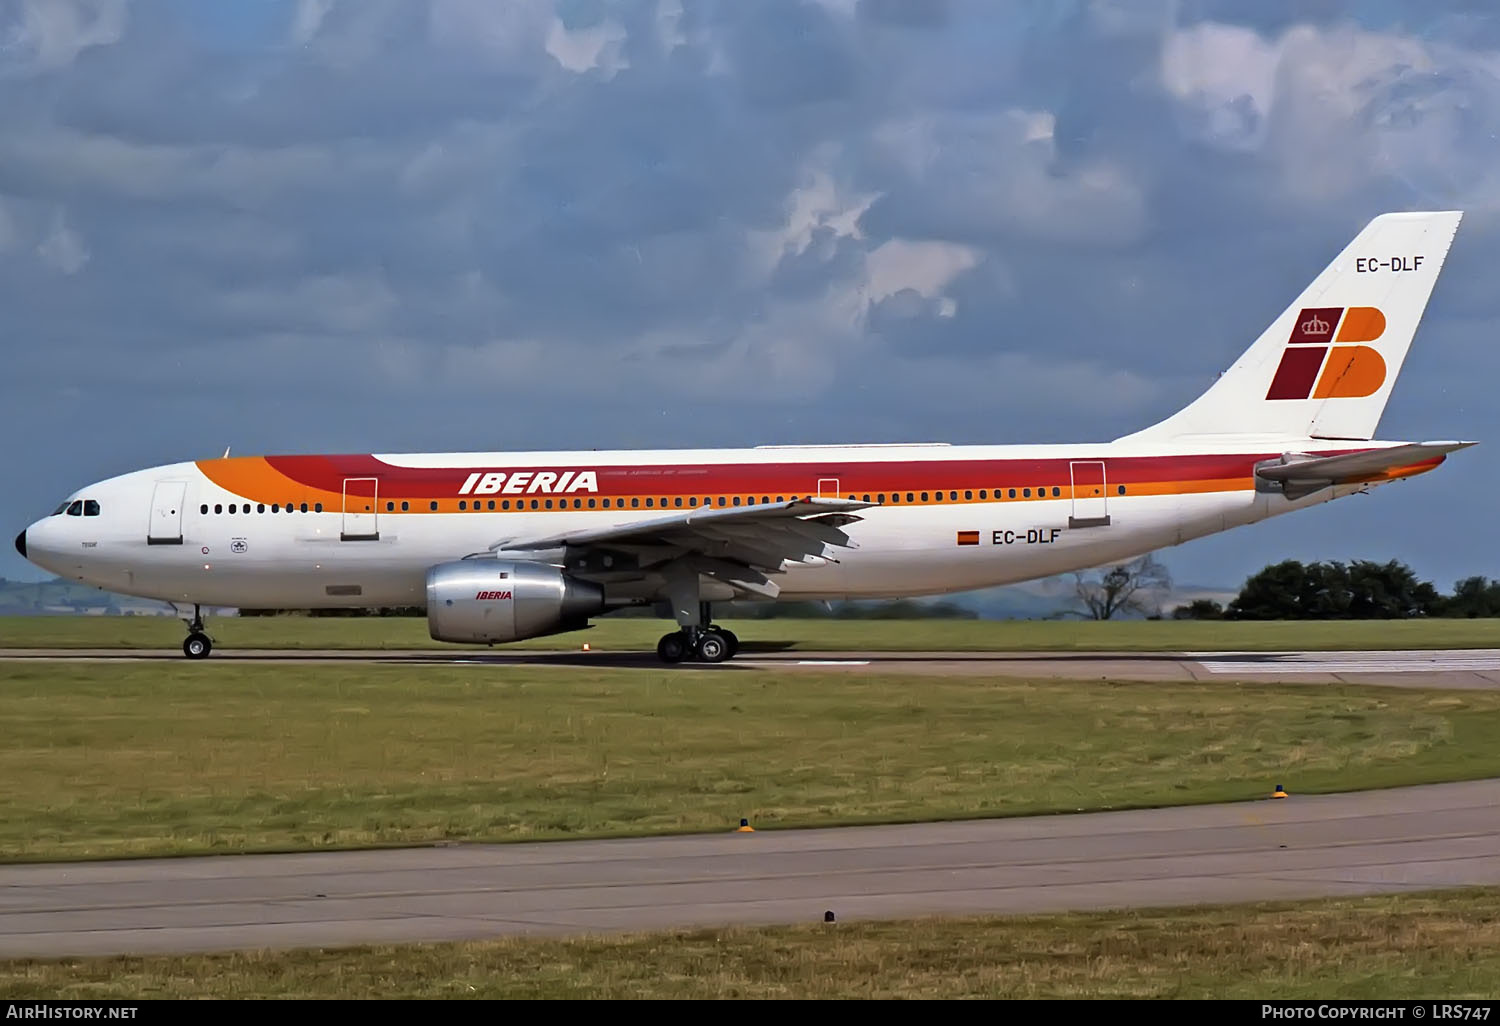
[1325, 367]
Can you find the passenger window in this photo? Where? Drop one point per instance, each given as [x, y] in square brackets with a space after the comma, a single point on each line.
[390, 507]
[203, 509]
[1056, 491]
[677, 501]
[1120, 490]
[865, 499]
[1026, 492]
[635, 503]
[492, 504]
[505, 504]
[318, 507]
[591, 504]
[880, 498]
[431, 506]
[1012, 493]
[911, 497]
[650, 502]
[924, 496]
[91, 508]
[462, 504]
[549, 503]
[736, 500]
[953, 496]
[534, 504]
[260, 507]
[938, 496]
[722, 501]
[606, 504]
[218, 508]
[780, 499]
[405, 506]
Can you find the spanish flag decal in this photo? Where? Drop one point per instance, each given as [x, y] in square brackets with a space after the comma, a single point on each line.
[968, 537]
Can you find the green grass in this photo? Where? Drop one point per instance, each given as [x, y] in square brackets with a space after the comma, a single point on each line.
[154, 759]
[302, 632]
[1438, 946]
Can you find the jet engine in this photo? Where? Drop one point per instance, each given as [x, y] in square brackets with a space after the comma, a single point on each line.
[488, 600]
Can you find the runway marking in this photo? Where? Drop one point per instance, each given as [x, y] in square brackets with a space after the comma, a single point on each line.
[1283, 663]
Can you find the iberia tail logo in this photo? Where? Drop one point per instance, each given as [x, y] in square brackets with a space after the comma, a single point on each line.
[1318, 345]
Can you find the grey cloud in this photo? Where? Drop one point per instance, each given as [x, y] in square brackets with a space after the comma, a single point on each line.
[40, 36]
[474, 225]
[928, 14]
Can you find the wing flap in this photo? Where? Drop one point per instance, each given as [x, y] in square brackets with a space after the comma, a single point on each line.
[686, 522]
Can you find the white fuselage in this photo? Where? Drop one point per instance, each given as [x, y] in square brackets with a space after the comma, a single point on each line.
[944, 519]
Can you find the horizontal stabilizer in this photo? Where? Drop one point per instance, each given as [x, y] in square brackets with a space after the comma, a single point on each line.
[1302, 474]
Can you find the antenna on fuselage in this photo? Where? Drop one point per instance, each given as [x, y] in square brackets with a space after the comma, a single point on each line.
[226, 452]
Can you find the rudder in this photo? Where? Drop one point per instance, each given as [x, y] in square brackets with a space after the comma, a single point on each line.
[1325, 367]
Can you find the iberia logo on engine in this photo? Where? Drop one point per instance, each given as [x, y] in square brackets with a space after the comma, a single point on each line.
[1348, 371]
[492, 596]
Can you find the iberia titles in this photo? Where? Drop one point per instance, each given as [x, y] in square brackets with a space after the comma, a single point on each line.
[530, 482]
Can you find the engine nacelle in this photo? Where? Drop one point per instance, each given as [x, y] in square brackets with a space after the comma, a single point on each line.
[489, 600]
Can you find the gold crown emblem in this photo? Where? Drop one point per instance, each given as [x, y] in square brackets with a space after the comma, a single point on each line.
[1316, 325]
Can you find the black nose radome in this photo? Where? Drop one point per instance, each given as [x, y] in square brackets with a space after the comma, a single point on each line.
[21, 544]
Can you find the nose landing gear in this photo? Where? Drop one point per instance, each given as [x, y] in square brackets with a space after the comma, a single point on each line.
[198, 644]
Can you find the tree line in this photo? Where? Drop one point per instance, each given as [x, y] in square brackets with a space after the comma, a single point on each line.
[1359, 590]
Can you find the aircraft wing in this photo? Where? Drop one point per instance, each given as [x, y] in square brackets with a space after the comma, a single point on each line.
[1305, 474]
[739, 545]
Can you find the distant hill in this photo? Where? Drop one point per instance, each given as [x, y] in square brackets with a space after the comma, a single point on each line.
[58, 597]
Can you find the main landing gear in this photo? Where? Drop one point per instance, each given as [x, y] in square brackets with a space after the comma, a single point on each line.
[711, 644]
[198, 645]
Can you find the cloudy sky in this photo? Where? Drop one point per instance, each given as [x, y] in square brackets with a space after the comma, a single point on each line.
[393, 225]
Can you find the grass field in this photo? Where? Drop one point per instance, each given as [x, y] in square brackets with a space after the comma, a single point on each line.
[1440, 946]
[138, 759]
[810, 635]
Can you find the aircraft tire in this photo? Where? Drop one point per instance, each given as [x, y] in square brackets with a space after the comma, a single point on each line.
[713, 647]
[672, 648]
[197, 646]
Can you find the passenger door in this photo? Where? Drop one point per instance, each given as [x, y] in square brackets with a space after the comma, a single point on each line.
[361, 520]
[166, 513]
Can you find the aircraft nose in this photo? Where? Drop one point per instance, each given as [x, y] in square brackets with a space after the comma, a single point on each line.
[21, 544]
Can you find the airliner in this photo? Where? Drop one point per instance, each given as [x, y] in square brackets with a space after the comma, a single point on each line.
[503, 546]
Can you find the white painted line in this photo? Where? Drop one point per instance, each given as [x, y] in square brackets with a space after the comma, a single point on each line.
[833, 662]
[1352, 666]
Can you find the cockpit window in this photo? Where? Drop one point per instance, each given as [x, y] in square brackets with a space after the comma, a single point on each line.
[90, 508]
[61, 509]
[75, 508]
